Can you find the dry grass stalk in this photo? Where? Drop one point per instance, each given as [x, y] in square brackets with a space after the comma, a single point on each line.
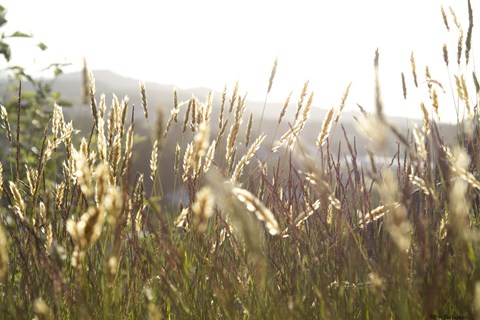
[154, 161]
[460, 46]
[343, 102]
[187, 161]
[122, 119]
[435, 103]
[181, 220]
[404, 86]
[6, 123]
[175, 102]
[222, 107]
[420, 183]
[113, 121]
[234, 97]
[272, 75]
[445, 54]
[414, 71]
[245, 160]
[176, 165]
[85, 232]
[249, 130]
[144, 99]
[200, 145]
[93, 103]
[378, 98]
[31, 178]
[420, 144]
[326, 127]
[101, 139]
[302, 217]
[187, 116]
[209, 156]
[459, 162]
[426, 120]
[396, 221]
[455, 19]
[128, 149]
[3, 254]
[445, 20]
[301, 99]
[18, 203]
[207, 107]
[1, 179]
[371, 216]
[253, 204]
[202, 209]
[284, 108]
[468, 42]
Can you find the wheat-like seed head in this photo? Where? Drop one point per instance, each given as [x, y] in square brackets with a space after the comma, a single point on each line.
[343, 102]
[420, 144]
[175, 102]
[222, 106]
[445, 20]
[396, 221]
[326, 126]
[82, 172]
[460, 46]
[414, 71]
[101, 139]
[128, 148]
[200, 145]
[371, 216]
[422, 184]
[123, 117]
[187, 161]
[3, 254]
[6, 123]
[234, 97]
[59, 195]
[88, 229]
[102, 187]
[115, 152]
[245, 160]
[203, 209]
[93, 103]
[208, 107]
[272, 75]
[144, 99]
[1, 179]
[31, 179]
[154, 161]
[41, 309]
[176, 165]
[249, 130]
[181, 220]
[445, 54]
[454, 16]
[426, 120]
[302, 217]
[284, 108]
[253, 204]
[18, 203]
[301, 99]
[209, 156]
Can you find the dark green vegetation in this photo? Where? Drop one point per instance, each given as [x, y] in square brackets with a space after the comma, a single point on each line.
[213, 220]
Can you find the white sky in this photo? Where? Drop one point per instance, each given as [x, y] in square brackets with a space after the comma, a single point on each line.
[213, 42]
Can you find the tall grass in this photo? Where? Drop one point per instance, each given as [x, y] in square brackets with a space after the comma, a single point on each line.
[265, 229]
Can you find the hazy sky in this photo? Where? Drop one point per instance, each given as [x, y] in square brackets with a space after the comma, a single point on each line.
[213, 42]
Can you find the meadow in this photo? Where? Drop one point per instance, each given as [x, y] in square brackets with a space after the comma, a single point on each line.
[260, 226]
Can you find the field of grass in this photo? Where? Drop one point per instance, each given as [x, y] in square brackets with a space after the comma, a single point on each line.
[259, 226]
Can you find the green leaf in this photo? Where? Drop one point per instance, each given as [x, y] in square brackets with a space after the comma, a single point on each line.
[42, 46]
[19, 34]
[475, 81]
[5, 51]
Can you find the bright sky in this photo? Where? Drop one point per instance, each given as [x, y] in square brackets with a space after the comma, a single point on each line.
[192, 43]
